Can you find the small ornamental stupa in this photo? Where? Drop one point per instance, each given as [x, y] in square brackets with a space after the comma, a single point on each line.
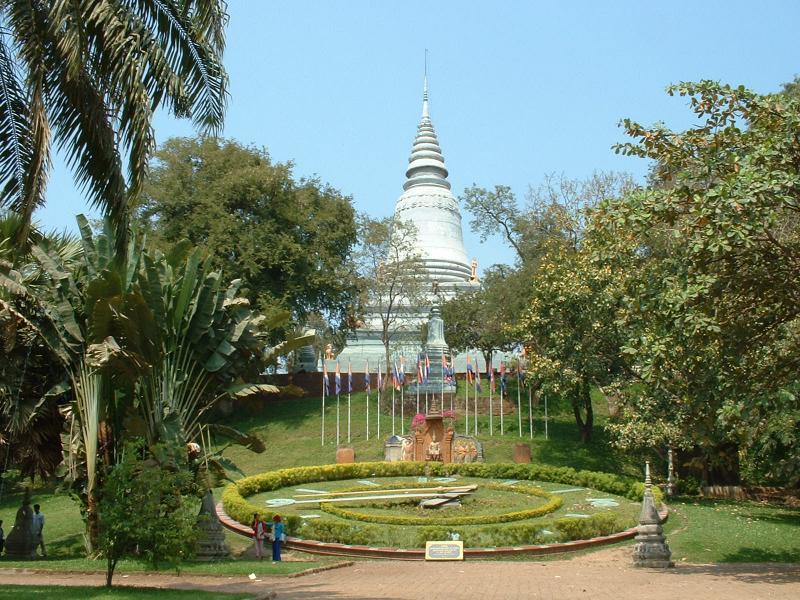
[651, 549]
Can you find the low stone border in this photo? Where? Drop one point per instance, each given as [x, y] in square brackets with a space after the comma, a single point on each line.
[334, 549]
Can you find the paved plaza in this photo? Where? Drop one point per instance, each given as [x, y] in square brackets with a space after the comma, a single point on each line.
[602, 575]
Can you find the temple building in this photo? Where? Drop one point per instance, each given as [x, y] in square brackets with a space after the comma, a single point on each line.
[428, 202]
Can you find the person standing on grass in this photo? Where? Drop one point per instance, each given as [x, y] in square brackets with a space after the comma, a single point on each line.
[259, 533]
[278, 536]
[38, 528]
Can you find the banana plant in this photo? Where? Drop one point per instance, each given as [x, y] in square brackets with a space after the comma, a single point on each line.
[146, 337]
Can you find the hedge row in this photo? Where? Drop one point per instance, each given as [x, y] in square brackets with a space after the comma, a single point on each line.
[513, 534]
[236, 505]
[553, 503]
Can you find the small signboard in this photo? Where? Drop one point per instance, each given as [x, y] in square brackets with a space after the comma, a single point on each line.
[449, 550]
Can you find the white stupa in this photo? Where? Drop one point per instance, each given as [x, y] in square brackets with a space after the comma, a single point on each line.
[428, 202]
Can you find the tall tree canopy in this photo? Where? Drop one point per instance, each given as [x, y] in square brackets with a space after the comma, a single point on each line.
[90, 76]
[289, 241]
[712, 300]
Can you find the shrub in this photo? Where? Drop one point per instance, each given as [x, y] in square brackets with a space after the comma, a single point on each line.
[236, 505]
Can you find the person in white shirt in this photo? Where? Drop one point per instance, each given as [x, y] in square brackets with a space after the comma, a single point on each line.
[38, 527]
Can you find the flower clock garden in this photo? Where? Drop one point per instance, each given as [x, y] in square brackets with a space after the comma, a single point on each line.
[383, 504]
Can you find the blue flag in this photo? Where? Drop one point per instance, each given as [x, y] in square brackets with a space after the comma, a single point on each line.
[338, 380]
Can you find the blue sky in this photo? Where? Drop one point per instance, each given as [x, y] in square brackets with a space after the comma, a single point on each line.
[518, 89]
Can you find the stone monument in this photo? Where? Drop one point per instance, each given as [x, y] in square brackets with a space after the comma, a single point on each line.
[21, 541]
[651, 549]
[435, 349]
[211, 542]
[434, 441]
[428, 202]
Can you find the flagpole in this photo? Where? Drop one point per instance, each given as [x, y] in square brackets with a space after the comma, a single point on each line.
[379, 401]
[519, 401]
[443, 374]
[491, 407]
[349, 391]
[402, 409]
[546, 436]
[337, 420]
[323, 407]
[419, 370]
[366, 377]
[502, 385]
[455, 384]
[530, 411]
[475, 414]
[466, 401]
[393, 409]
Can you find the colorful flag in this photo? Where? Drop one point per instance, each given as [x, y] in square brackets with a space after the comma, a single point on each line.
[395, 377]
[470, 372]
[503, 377]
[326, 384]
[420, 376]
[338, 379]
[521, 376]
[366, 377]
[490, 376]
[380, 379]
[402, 375]
[477, 377]
[427, 372]
[349, 378]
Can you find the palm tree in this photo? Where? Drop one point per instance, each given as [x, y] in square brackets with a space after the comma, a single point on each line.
[89, 75]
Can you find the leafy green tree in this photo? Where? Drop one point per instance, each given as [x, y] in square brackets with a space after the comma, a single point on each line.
[482, 318]
[90, 76]
[710, 305]
[564, 309]
[569, 326]
[146, 508]
[390, 273]
[289, 241]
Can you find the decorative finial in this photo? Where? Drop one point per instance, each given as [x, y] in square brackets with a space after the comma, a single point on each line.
[425, 88]
[647, 481]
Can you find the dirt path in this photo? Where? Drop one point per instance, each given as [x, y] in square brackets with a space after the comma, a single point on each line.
[607, 574]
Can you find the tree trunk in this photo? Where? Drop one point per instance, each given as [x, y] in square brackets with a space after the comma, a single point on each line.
[487, 356]
[111, 564]
[92, 522]
[582, 401]
[715, 465]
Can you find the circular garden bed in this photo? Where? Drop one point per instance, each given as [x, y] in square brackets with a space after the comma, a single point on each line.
[512, 506]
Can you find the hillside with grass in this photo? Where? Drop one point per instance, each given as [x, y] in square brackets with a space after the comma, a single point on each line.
[699, 531]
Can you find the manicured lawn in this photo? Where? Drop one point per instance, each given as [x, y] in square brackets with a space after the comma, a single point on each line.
[698, 531]
[226, 567]
[725, 531]
[26, 592]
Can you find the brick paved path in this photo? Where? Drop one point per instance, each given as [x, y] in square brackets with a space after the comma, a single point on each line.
[604, 575]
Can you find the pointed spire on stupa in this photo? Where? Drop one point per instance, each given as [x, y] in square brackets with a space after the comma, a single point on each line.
[426, 164]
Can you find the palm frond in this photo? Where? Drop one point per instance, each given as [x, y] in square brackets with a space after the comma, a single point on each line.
[15, 151]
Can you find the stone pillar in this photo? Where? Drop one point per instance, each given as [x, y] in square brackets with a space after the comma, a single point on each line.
[211, 542]
[651, 549]
[21, 541]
